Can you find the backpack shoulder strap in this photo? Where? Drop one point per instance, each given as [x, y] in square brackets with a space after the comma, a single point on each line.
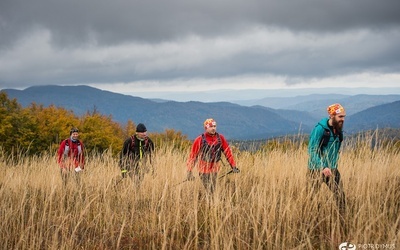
[68, 141]
[219, 138]
[341, 136]
[146, 141]
[132, 142]
[203, 138]
[325, 137]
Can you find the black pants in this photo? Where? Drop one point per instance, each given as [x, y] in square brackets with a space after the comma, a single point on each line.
[334, 183]
[68, 175]
[136, 172]
[209, 181]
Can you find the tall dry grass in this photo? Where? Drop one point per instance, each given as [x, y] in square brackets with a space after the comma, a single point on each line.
[266, 206]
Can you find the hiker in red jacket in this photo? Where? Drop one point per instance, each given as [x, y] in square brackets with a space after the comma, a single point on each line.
[70, 156]
[206, 154]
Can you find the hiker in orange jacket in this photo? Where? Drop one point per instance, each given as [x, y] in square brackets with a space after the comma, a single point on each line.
[71, 157]
[206, 154]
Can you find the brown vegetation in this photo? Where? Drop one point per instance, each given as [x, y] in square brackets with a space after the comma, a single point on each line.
[263, 207]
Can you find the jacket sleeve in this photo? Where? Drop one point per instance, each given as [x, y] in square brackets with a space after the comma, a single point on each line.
[60, 154]
[150, 150]
[82, 156]
[227, 151]
[151, 145]
[124, 153]
[314, 149]
[194, 153]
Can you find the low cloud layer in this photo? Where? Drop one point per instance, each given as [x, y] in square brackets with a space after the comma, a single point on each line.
[180, 43]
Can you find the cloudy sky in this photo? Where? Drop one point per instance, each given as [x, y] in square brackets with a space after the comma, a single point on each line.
[148, 46]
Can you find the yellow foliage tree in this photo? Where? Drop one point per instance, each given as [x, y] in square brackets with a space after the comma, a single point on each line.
[171, 138]
[17, 131]
[53, 124]
[100, 133]
[129, 129]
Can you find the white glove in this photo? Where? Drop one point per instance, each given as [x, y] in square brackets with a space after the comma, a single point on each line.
[78, 169]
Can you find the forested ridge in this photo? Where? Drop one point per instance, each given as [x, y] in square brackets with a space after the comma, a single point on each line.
[36, 129]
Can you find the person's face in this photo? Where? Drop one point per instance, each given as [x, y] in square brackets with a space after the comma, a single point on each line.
[338, 120]
[211, 129]
[141, 135]
[75, 135]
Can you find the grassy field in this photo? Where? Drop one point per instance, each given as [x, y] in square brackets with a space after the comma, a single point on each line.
[266, 206]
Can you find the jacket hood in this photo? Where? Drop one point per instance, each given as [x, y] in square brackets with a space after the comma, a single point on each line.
[324, 123]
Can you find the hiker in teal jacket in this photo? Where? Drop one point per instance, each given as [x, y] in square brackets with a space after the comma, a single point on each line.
[323, 149]
[324, 146]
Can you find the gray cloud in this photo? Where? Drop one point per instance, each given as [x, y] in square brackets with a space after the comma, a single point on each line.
[155, 20]
[97, 41]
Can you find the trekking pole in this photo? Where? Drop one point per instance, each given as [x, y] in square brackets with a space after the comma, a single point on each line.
[177, 184]
[230, 172]
[122, 178]
[118, 181]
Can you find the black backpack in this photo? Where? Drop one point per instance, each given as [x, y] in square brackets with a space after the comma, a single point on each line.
[146, 143]
[326, 137]
[210, 153]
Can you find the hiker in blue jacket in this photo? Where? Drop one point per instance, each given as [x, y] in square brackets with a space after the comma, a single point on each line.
[323, 149]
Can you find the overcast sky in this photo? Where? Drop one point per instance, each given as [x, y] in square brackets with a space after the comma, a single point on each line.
[188, 45]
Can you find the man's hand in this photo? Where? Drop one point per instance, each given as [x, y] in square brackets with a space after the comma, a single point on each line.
[78, 169]
[124, 172]
[235, 170]
[326, 172]
[190, 176]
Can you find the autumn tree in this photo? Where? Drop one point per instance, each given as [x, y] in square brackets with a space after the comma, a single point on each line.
[100, 132]
[36, 129]
[52, 124]
[9, 110]
[129, 129]
[171, 138]
[17, 132]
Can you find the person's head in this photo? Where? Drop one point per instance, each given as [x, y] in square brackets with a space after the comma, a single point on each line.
[74, 133]
[336, 114]
[210, 126]
[141, 131]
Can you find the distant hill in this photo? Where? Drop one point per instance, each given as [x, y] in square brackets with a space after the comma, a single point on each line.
[378, 117]
[313, 103]
[303, 118]
[290, 102]
[234, 121]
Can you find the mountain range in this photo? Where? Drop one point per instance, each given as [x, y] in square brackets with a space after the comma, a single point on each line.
[245, 120]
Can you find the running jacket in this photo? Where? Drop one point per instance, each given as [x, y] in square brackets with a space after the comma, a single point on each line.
[197, 159]
[71, 154]
[323, 156]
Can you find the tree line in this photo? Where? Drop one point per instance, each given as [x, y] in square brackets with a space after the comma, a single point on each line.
[36, 129]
